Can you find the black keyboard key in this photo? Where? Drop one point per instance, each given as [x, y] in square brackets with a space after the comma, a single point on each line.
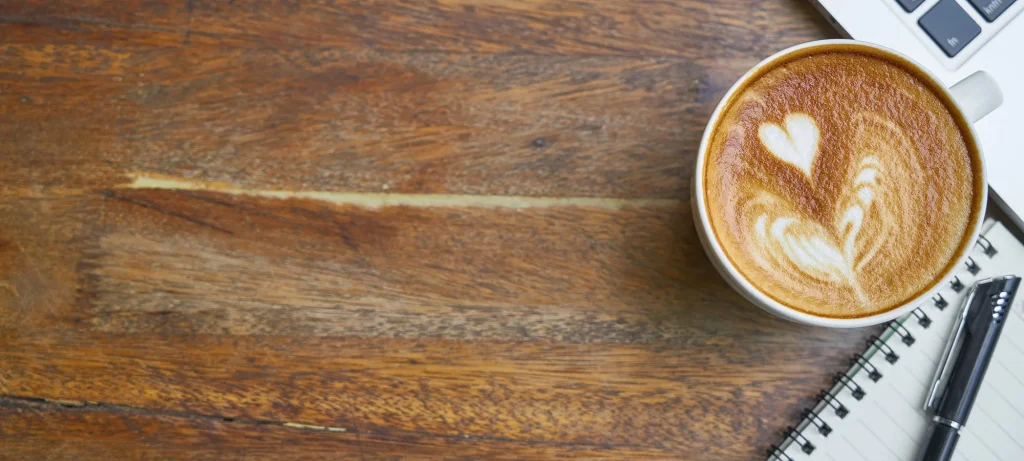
[991, 9]
[950, 26]
[910, 5]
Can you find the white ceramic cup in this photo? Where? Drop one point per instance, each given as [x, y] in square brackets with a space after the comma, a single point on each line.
[975, 96]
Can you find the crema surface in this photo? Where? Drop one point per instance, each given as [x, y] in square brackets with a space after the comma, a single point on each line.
[840, 183]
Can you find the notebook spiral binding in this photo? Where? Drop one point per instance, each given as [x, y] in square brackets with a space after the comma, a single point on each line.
[810, 418]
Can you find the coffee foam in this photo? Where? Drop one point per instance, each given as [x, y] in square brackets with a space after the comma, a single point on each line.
[840, 184]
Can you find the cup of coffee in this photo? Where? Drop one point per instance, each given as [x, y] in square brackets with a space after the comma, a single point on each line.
[840, 184]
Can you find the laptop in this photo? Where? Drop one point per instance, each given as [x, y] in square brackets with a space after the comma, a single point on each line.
[953, 39]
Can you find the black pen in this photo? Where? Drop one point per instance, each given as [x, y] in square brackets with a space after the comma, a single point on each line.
[963, 365]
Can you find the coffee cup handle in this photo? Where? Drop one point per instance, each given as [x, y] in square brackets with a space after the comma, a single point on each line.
[977, 95]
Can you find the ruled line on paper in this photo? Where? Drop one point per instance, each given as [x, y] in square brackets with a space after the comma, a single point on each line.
[903, 397]
[984, 413]
[917, 379]
[878, 439]
[852, 449]
[996, 391]
[1010, 372]
[985, 447]
[1015, 346]
[899, 426]
[960, 454]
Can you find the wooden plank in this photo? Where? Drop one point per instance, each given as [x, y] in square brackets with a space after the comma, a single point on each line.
[142, 14]
[659, 28]
[90, 101]
[568, 325]
[30, 430]
[690, 29]
[655, 397]
[42, 241]
[179, 261]
[323, 118]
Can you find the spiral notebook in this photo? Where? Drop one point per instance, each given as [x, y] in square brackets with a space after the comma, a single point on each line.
[874, 412]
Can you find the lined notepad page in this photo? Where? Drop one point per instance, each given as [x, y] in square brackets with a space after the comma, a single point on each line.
[889, 423]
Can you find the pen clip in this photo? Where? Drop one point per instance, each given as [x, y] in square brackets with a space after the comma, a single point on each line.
[956, 340]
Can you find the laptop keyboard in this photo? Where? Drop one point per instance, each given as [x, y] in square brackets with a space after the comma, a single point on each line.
[910, 5]
[949, 25]
[991, 9]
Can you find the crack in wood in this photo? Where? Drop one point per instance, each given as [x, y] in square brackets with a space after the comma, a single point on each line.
[373, 200]
[15, 401]
[164, 210]
[75, 23]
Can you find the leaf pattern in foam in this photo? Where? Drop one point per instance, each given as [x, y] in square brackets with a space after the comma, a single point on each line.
[869, 215]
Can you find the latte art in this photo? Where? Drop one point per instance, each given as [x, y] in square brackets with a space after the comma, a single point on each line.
[820, 255]
[797, 145]
[840, 184]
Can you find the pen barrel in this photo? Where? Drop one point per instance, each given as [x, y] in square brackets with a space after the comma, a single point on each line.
[978, 329]
[970, 367]
[942, 441]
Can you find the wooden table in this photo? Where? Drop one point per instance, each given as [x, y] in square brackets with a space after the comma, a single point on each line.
[379, 229]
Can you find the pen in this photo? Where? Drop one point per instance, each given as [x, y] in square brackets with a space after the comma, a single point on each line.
[964, 362]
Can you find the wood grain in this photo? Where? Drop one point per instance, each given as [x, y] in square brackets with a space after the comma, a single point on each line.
[540, 292]
[574, 28]
[567, 325]
[103, 432]
[329, 119]
[595, 110]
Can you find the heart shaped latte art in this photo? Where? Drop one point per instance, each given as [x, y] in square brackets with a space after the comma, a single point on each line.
[866, 217]
[797, 144]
